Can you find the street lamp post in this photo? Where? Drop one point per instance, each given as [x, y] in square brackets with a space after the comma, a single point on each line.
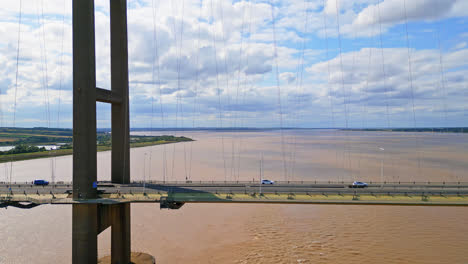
[144, 173]
[381, 167]
[261, 174]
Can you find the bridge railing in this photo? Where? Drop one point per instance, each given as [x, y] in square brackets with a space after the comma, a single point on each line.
[305, 182]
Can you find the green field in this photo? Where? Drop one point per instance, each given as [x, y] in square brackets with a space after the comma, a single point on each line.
[10, 136]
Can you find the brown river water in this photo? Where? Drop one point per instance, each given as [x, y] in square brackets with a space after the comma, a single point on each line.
[236, 233]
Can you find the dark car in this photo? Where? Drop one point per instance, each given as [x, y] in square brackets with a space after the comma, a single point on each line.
[41, 182]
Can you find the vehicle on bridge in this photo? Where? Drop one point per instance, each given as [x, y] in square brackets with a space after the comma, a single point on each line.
[268, 182]
[358, 184]
[41, 182]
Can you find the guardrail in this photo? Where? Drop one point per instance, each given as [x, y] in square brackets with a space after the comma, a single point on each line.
[256, 191]
[306, 182]
[61, 183]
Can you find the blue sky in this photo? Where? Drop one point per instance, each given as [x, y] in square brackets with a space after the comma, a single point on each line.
[178, 81]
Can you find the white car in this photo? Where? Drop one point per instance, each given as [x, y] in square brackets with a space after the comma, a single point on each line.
[268, 182]
[358, 184]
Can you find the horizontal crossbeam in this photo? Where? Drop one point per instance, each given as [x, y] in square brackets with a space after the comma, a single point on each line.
[108, 96]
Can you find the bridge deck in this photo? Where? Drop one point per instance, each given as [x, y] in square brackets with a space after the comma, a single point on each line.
[441, 194]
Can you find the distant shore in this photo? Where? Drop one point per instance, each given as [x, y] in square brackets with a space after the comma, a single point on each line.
[431, 130]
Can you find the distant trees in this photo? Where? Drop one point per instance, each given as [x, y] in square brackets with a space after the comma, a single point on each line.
[159, 138]
[66, 146]
[33, 140]
[23, 149]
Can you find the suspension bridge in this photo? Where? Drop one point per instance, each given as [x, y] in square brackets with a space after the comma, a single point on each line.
[99, 205]
[173, 195]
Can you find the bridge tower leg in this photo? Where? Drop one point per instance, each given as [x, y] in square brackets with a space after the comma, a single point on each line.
[120, 248]
[84, 226]
[91, 219]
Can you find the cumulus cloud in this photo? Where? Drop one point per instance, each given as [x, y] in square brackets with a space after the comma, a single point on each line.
[460, 45]
[366, 82]
[359, 18]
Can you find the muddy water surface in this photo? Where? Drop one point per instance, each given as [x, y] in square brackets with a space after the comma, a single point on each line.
[206, 233]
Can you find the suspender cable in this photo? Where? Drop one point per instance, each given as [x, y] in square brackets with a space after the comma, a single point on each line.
[44, 64]
[300, 90]
[345, 102]
[236, 135]
[153, 92]
[60, 86]
[410, 78]
[178, 88]
[178, 96]
[158, 84]
[226, 68]
[383, 67]
[45, 78]
[242, 119]
[451, 174]
[341, 64]
[197, 84]
[330, 97]
[280, 110]
[218, 90]
[365, 93]
[384, 72]
[16, 78]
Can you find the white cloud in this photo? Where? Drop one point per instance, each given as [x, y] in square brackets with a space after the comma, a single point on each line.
[250, 73]
[461, 45]
[388, 13]
[366, 84]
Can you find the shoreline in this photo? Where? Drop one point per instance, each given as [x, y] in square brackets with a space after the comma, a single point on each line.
[456, 130]
[66, 152]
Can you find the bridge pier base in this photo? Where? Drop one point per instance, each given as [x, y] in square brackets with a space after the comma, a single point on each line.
[89, 220]
[120, 244]
[84, 232]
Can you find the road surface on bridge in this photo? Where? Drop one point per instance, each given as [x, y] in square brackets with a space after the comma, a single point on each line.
[243, 192]
[240, 187]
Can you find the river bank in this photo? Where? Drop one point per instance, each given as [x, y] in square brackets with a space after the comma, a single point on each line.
[69, 151]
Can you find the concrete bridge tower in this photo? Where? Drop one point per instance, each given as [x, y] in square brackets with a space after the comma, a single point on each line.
[89, 219]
